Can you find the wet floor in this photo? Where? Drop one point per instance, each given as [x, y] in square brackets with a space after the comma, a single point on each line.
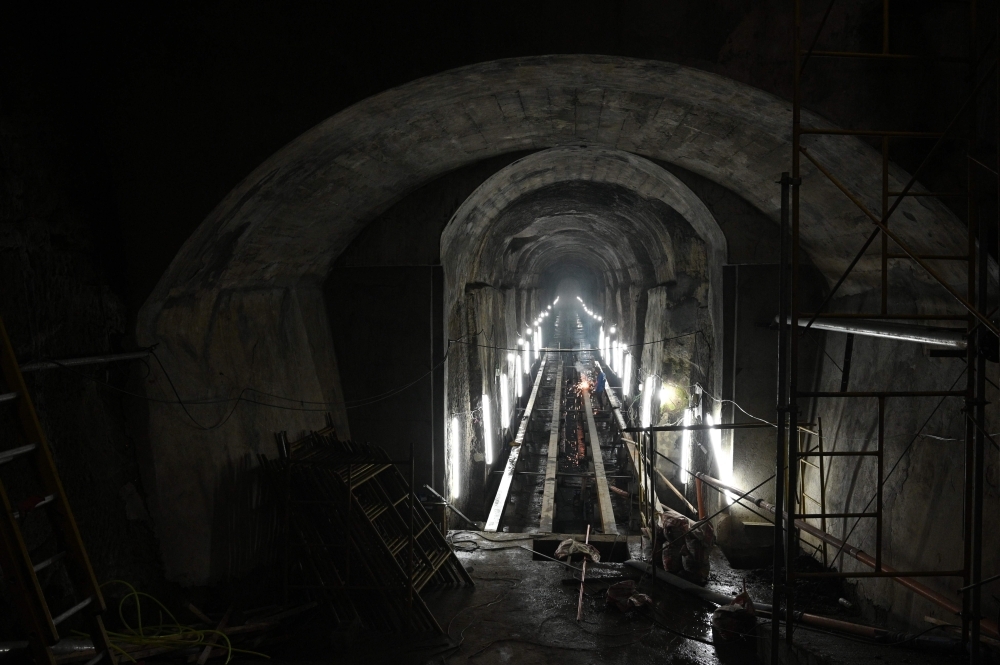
[524, 611]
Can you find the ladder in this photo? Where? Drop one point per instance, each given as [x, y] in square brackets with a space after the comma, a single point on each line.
[349, 534]
[19, 571]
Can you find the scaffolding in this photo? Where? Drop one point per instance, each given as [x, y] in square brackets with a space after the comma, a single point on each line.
[971, 309]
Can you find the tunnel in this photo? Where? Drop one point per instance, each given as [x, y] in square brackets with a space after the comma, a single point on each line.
[379, 270]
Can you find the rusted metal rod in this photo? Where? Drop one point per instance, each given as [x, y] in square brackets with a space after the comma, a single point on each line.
[859, 554]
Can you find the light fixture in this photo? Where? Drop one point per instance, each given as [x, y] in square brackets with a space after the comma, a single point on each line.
[669, 395]
[725, 464]
[526, 362]
[538, 335]
[487, 430]
[686, 446]
[454, 456]
[647, 402]
[611, 330]
[627, 376]
[504, 401]
[518, 379]
[556, 300]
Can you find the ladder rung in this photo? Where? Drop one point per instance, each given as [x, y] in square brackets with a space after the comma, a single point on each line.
[48, 562]
[359, 479]
[8, 455]
[73, 610]
[8, 397]
[49, 499]
[375, 511]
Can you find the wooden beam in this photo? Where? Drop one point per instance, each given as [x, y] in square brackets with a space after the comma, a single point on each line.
[594, 445]
[552, 463]
[500, 500]
[631, 447]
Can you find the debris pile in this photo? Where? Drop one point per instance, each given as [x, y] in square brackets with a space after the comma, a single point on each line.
[356, 539]
[737, 619]
[686, 545]
[623, 596]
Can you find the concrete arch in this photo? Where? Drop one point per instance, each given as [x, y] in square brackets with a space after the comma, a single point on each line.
[241, 305]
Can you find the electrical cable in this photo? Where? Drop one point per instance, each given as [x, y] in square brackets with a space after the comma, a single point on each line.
[171, 636]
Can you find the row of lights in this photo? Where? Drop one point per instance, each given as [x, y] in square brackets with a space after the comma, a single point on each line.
[518, 363]
[669, 395]
[588, 310]
[620, 361]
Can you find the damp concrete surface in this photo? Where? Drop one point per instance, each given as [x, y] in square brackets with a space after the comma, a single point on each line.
[524, 611]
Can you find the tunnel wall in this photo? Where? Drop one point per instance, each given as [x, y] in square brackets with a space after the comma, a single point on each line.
[923, 496]
[290, 352]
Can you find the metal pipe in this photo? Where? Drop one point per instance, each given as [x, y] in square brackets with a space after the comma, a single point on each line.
[857, 553]
[458, 512]
[697, 428]
[781, 402]
[77, 362]
[954, 339]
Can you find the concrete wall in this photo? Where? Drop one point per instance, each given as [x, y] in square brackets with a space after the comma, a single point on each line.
[924, 467]
[279, 375]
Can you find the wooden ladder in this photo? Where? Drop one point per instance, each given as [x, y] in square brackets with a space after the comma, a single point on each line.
[19, 571]
[348, 515]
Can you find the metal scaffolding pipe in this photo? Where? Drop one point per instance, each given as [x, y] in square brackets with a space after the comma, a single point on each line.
[987, 626]
[952, 339]
[77, 362]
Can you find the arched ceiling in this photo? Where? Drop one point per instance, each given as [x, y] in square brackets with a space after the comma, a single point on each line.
[294, 214]
[609, 213]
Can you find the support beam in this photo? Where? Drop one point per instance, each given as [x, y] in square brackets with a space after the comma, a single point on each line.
[500, 500]
[954, 338]
[631, 447]
[594, 445]
[552, 463]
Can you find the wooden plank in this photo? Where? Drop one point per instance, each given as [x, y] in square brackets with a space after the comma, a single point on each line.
[594, 450]
[631, 447]
[552, 462]
[500, 500]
